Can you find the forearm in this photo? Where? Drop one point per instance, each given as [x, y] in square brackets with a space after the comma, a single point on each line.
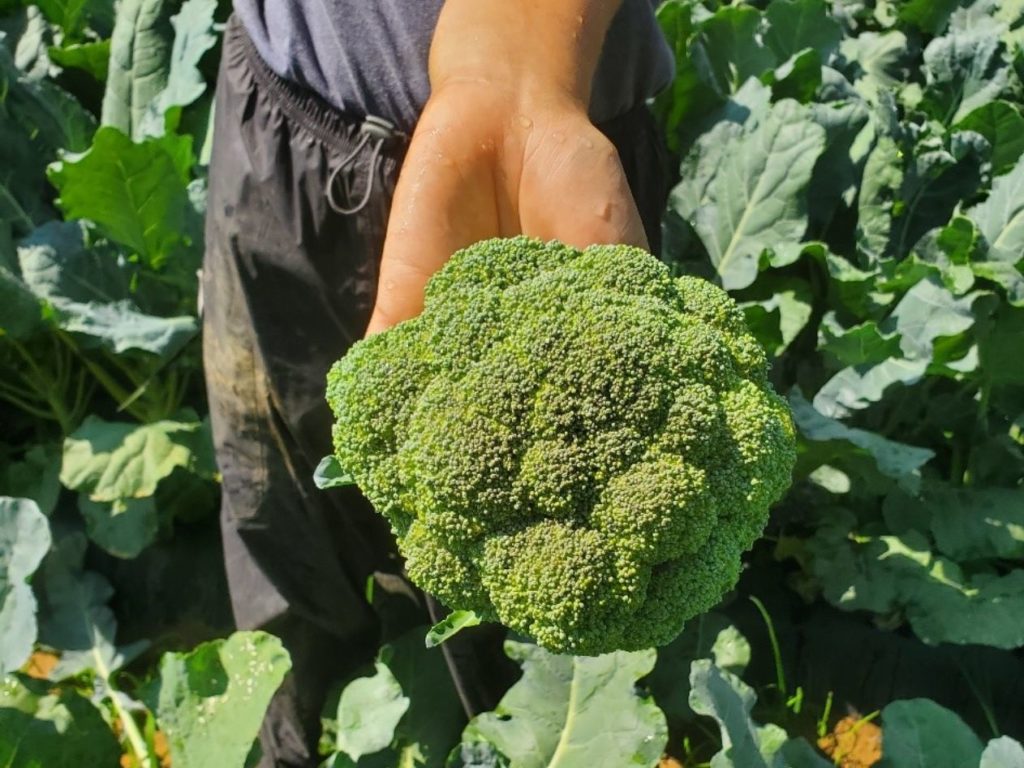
[545, 49]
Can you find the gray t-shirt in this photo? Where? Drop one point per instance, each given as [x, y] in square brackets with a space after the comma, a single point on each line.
[370, 56]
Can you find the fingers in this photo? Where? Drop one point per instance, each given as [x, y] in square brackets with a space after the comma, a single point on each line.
[575, 190]
[564, 182]
[444, 201]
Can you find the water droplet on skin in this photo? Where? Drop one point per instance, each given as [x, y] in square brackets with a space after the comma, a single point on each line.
[525, 121]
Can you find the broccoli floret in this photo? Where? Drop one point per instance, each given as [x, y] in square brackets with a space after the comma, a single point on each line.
[572, 442]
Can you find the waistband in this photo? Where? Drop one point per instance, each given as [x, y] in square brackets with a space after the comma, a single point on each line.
[305, 107]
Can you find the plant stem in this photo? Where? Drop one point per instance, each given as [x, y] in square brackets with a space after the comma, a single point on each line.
[780, 677]
[131, 728]
[39, 381]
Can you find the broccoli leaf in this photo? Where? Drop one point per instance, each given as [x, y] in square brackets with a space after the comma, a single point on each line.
[92, 57]
[451, 625]
[369, 710]
[91, 293]
[123, 527]
[136, 193]
[210, 702]
[193, 37]
[24, 540]
[1001, 217]
[920, 732]
[115, 460]
[56, 728]
[1003, 752]
[744, 189]
[1001, 123]
[329, 474]
[717, 693]
[140, 53]
[74, 617]
[900, 462]
[571, 711]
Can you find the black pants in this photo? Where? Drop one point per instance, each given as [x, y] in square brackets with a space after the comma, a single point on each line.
[288, 286]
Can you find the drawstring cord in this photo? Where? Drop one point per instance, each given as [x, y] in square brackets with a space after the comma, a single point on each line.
[379, 131]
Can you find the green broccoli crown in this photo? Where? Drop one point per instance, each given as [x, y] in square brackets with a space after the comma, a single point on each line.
[572, 442]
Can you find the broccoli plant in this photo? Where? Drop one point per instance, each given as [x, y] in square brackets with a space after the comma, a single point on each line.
[573, 443]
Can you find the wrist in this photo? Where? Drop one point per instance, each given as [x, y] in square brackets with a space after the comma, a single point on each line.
[534, 51]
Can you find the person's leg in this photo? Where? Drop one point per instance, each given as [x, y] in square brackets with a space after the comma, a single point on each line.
[288, 284]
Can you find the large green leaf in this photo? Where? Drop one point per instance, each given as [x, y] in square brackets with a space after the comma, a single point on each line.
[723, 696]
[92, 294]
[919, 732]
[35, 476]
[24, 540]
[1002, 124]
[717, 693]
[778, 317]
[883, 178]
[193, 37]
[21, 313]
[572, 712]
[861, 386]
[708, 636]
[123, 527]
[92, 57]
[901, 575]
[120, 327]
[859, 344]
[942, 172]
[967, 523]
[928, 312]
[1003, 752]
[70, 15]
[115, 460]
[210, 702]
[901, 462]
[688, 94]
[435, 717]
[1001, 217]
[74, 616]
[27, 33]
[930, 16]
[794, 25]
[1009, 276]
[837, 172]
[728, 49]
[140, 53]
[743, 189]
[369, 710]
[878, 60]
[59, 729]
[1000, 345]
[136, 193]
[36, 120]
[964, 70]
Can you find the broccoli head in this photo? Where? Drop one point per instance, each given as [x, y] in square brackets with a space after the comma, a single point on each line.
[573, 443]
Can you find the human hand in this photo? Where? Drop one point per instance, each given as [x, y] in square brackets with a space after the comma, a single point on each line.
[512, 152]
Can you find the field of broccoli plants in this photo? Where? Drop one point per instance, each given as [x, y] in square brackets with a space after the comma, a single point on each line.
[851, 172]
